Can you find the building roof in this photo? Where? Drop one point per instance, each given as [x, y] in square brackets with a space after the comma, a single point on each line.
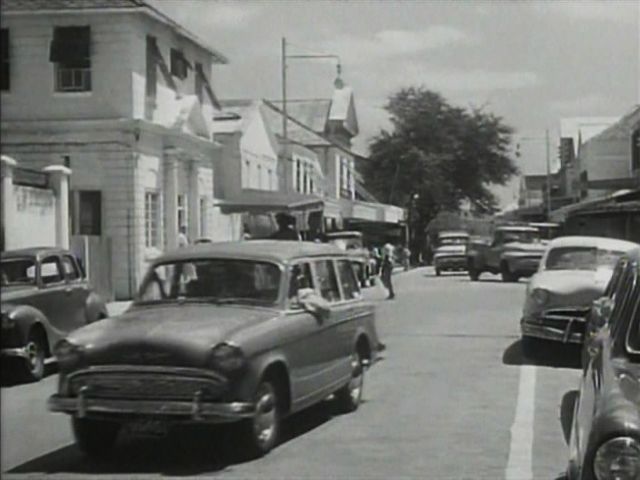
[265, 250]
[623, 128]
[314, 113]
[57, 6]
[297, 131]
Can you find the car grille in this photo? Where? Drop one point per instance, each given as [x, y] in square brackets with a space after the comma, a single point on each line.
[560, 318]
[146, 385]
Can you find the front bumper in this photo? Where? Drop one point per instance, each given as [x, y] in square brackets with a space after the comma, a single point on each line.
[562, 326]
[195, 410]
[453, 262]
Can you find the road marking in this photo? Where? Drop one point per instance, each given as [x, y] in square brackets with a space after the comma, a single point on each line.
[519, 465]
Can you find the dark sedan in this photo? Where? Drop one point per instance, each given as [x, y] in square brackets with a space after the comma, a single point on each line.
[45, 296]
[605, 435]
[244, 332]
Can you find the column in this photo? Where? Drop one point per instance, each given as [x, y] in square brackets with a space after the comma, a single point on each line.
[194, 201]
[170, 196]
[59, 181]
[8, 202]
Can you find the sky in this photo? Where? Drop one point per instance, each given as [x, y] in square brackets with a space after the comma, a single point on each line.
[530, 62]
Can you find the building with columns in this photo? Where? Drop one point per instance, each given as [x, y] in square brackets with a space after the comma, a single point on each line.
[120, 94]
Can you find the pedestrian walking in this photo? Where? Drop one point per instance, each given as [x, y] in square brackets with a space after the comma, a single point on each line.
[387, 270]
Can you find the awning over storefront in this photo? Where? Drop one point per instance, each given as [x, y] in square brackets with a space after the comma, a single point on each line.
[266, 201]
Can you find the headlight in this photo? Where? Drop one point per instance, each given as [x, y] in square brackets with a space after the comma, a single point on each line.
[227, 358]
[540, 296]
[618, 459]
[68, 354]
[7, 322]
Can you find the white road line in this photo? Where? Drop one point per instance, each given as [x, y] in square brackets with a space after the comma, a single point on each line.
[519, 465]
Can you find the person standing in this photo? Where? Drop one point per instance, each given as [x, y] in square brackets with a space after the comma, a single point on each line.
[286, 229]
[183, 240]
[387, 270]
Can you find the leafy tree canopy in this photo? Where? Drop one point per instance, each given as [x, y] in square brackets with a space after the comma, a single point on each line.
[438, 155]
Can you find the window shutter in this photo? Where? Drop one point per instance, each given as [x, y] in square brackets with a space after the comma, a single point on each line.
[4, 59]
[199, 80]
[152, 68]
[71, 45]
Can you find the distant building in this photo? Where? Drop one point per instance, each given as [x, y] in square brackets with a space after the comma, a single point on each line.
[121, 94]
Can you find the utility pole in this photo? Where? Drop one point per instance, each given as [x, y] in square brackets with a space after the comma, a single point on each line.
[548, 202]
[284, 98]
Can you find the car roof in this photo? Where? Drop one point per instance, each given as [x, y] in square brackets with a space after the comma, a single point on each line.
[516, 228]
[452, 233]
[33, 252]
[265, 250]
[589, 241]
[345, 234]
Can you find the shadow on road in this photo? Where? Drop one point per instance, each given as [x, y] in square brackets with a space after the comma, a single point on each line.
[10, 372]
[187, 450]
[551, 354]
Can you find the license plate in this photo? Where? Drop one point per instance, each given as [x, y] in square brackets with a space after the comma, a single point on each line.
[148, 428]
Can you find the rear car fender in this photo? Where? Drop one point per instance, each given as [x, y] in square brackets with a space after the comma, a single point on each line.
[95, 308]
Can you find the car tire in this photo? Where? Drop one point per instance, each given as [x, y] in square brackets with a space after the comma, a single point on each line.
[36, 348]
[348, 398]
[260, 434]
[94, 438]
[505, 272]
[473, 273]
[437, 272]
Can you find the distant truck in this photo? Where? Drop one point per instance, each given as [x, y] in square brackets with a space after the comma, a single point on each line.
[514, 252]
[450, 254]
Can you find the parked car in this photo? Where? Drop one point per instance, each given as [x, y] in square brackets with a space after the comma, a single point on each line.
[244, 332]
[605, 435]
[352, 243]
[514, 252]
[451, 252]
[573, 272]
[45, 296]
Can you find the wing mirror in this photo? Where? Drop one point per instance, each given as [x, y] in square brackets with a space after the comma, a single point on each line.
[313, 303]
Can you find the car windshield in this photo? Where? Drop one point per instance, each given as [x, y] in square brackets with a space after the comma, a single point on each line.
[212, 280]
[453, 241]
[634, 333]
[581, 258]
[18, 271]
[524, 236]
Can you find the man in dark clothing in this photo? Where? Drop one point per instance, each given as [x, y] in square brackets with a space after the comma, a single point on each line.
[286, 230]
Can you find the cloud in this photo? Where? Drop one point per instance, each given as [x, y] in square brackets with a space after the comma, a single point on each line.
[211, 15]
[592, 10]
[581, 106]
[395, 43]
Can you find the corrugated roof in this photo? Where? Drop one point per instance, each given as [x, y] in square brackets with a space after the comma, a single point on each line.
[295, 131]
[35, 6]
[314, 113]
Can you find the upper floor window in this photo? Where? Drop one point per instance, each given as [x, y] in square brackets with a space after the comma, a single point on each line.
[179, 64]
[71, 53]
[4, 60]
[151, 219]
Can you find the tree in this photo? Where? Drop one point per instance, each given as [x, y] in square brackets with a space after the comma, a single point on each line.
[437, 156]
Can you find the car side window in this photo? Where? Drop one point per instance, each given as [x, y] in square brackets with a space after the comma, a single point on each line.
[350, 288]
[300, 277]
[51, 271]
[327, 280]
[623, 301]
[71, 271]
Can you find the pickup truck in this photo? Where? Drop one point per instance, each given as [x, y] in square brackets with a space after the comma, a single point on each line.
[514, 252]
[45, 296]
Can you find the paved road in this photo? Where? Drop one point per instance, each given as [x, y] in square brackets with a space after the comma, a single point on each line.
[454, 399]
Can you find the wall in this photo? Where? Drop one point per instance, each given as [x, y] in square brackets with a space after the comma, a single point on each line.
[32, 74]
[605, 159]
[34, 207]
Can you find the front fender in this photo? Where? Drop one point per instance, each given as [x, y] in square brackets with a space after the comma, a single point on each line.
[258, 365]
[24, 318]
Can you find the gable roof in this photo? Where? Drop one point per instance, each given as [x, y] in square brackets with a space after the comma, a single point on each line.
[237, 114]
[623, 128]
[76, 6]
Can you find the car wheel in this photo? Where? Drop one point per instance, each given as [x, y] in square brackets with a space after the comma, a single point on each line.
[473, 273]
[437, 272]
[260, 434]
[348, 398]
[94, 437]
[507, 276]
[36, 352]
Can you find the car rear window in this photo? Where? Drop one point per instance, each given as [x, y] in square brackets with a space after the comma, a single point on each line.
[18, 271]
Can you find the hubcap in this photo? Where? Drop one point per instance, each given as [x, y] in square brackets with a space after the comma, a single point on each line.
[265, 419]
[357, 377]
[33, 354]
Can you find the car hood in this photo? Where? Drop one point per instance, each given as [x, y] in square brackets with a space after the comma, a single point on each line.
[180, 335]
[450, 249]
[567, 288]
[14, 293]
